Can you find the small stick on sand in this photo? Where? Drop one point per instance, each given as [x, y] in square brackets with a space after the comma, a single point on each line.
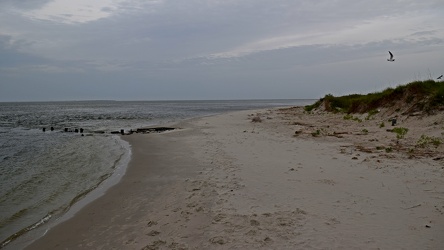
[412, 207]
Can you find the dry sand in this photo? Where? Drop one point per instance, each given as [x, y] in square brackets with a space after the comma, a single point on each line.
[292, 181]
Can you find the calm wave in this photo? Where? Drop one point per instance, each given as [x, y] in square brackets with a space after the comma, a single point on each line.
[42, 174]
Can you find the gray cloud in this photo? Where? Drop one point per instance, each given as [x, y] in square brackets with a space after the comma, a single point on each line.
[23, 4]
[205, 48]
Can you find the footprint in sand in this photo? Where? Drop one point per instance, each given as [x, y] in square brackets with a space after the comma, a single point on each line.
[251, 233]
[151, 223]
[153, 233]
[154, 245]
[218, 240]
[218, 218]
[332, 222]
[255, 223]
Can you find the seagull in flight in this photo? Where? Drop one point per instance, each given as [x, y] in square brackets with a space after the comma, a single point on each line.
[439, 77]
[391, 57]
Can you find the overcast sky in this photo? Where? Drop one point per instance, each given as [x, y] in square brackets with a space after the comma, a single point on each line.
[54, 50]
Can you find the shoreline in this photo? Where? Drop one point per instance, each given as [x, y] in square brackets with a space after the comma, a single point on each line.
[32, 232]
[225, 182]
[147, 179]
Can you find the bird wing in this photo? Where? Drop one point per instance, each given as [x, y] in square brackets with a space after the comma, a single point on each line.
[391, 55]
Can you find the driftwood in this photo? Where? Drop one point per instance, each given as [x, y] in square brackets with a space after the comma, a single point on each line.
[153, 130]
[412, 207]
[340, 133]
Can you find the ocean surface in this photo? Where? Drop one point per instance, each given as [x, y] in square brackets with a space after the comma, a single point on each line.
[46, 167]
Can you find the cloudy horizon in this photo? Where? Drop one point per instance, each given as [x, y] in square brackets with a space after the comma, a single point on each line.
[54, 50]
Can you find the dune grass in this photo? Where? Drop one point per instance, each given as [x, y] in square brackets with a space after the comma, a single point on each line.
[427, 95]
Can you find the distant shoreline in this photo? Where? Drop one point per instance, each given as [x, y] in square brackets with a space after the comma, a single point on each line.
[166, 100]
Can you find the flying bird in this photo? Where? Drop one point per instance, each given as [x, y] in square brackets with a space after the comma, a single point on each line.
[439, 77]
[391, 57]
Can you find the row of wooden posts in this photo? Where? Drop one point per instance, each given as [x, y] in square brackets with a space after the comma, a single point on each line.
[80, 130]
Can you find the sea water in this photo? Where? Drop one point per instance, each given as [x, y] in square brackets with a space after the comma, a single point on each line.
[46, 167]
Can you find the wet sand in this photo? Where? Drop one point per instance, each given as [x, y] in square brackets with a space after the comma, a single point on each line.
[115, 220]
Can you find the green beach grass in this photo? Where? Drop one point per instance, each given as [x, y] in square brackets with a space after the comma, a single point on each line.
[421, 95]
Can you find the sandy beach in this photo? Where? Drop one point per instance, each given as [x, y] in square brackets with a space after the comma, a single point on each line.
[289, 180]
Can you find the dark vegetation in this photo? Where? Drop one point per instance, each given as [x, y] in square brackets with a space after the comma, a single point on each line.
[418, 96]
